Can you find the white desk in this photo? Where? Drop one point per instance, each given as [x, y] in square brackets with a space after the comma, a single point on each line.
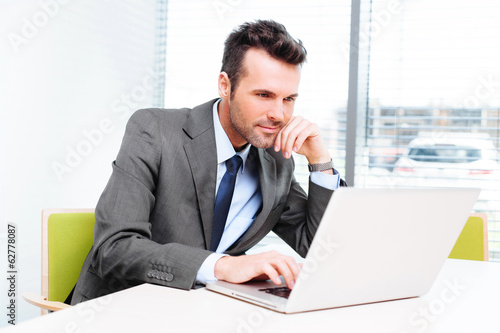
[465, 298]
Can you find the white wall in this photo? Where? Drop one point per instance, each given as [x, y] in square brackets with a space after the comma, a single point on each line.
[71, 73]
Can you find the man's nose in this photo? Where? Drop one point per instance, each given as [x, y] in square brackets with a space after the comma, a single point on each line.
[276, 112]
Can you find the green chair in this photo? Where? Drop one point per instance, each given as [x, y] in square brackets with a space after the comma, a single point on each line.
[67, 236]
[472, 244]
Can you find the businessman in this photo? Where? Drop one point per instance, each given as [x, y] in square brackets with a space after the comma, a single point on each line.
[193, 189]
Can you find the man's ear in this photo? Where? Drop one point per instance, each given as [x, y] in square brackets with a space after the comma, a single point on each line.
[224, 86]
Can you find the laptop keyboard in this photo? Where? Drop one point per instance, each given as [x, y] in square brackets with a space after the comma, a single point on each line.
[278, 291]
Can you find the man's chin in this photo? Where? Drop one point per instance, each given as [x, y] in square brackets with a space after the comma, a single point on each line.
[263, 144]
[261, 140]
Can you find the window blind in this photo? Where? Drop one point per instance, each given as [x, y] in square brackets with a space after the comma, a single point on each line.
[432, 116]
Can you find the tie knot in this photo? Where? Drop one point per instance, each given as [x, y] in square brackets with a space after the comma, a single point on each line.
[233, 164]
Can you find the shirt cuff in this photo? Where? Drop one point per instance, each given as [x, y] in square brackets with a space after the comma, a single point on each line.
[325, 180]
[206, 273]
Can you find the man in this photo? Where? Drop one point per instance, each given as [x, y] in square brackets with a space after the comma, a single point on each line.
[159, 221]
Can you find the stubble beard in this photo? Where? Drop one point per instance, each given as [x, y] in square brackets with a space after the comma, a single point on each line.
[248, 131]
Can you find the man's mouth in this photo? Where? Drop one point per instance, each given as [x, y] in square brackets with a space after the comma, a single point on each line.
[270, 129]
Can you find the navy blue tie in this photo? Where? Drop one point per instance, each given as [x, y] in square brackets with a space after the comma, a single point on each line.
[223, 200]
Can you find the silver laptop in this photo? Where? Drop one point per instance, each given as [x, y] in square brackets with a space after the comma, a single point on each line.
[372, 245]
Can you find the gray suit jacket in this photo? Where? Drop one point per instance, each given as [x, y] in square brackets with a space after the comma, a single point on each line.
[154, 218]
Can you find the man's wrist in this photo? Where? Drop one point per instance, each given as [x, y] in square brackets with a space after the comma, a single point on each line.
[207, 269]
[327, 179]
[324, 166]
[220, 267]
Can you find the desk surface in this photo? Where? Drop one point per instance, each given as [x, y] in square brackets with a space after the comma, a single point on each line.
[464, 298]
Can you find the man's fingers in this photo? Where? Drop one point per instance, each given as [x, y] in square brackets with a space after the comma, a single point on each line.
[294, 272]
[284, 270]
[277, 143]
[300, 138]
[288, 268]
[293, 136]
[271, 272]
[281, 137]
[300, 128]
[245, 268]
[288, 135]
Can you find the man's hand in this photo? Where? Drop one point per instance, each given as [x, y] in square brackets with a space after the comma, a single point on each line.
[267, 265]
[303, 137]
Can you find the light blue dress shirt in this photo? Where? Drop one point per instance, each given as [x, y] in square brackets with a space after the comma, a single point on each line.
[245, 203]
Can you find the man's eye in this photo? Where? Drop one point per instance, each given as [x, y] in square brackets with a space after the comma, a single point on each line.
[289, 99]
[263, 95]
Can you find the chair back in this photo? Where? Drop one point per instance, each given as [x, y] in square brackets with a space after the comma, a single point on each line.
[67, 236]
[472, 244]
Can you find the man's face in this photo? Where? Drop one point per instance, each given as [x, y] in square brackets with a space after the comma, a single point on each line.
[263, 101]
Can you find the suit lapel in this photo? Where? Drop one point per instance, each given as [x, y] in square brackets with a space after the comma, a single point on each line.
[267, 176]
[201, 154]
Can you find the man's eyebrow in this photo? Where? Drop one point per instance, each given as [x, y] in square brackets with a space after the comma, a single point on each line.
[270, 93]
[264, 91]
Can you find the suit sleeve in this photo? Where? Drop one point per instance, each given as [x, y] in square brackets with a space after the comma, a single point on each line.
[302, 214]
[123, 247]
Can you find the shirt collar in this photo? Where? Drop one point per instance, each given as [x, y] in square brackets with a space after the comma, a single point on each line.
[225, 149]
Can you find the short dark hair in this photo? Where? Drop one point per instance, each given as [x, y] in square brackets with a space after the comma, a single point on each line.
[266, 35]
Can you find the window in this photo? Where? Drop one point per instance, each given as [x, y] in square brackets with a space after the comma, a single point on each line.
[411, 88]
[432, 106]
